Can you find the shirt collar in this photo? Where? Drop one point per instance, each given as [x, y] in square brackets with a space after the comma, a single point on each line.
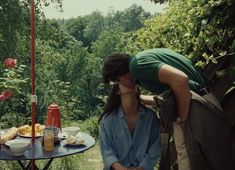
[121, 113]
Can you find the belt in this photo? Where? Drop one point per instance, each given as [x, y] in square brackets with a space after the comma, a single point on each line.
[204, 91]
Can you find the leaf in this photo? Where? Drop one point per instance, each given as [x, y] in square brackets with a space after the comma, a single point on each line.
[223, 53]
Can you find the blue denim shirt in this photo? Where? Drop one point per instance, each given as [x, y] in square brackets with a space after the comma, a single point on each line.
[118, 144]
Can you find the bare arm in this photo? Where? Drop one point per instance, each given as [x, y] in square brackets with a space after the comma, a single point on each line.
[147, 100]
[178, 82]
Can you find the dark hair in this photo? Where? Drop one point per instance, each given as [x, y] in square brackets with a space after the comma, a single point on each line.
[114, 101]
[115, 65]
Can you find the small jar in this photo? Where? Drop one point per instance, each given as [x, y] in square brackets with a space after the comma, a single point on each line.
[48, 139]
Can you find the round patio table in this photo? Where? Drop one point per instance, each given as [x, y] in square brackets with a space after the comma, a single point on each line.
[36, 152]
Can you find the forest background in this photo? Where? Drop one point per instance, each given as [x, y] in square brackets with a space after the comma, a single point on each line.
[70, 53]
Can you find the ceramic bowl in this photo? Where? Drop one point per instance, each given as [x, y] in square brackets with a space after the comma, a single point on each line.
[72, 130]
[18, 146]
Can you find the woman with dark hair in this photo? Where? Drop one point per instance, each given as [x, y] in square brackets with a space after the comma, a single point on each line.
[129, 132]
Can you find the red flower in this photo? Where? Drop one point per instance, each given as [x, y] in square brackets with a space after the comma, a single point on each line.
[6, 95]
[1, 97]
[10, 62]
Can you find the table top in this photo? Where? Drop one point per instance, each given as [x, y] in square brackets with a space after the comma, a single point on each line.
[36, 152]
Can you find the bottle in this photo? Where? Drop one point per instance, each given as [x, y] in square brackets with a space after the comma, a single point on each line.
[48, 139]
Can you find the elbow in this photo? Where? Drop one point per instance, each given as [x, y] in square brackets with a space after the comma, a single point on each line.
[181, 82]
[184, 79]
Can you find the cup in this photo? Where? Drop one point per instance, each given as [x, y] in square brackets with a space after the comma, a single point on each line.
[48, 139]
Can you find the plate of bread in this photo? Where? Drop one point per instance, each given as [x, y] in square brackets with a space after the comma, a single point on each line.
[77, 140]
[26, 130]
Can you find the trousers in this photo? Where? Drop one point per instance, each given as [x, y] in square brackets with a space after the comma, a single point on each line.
[204, 142]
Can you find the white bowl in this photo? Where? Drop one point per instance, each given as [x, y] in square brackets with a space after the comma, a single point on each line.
[18, 146]
[72, 130]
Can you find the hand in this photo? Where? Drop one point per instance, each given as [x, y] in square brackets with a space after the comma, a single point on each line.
[136, 168]
[118, 166]
[180, 120]
[121, 168]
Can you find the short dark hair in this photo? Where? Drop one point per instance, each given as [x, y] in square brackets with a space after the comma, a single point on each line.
[115, 65]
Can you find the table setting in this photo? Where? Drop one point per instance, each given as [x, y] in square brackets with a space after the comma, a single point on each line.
[51, 141]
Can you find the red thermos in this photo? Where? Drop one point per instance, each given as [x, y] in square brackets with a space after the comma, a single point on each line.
[53, 116]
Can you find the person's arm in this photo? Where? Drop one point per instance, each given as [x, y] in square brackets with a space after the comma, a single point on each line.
[178, 82]
[147, 100]
[106, 147]
[136, 168]
[118, 166]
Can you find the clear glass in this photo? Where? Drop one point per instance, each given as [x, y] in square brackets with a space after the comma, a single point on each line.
[48, 139]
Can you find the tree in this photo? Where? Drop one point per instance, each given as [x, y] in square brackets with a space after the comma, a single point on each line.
[94, 27]
[128, 20]
[76, 28]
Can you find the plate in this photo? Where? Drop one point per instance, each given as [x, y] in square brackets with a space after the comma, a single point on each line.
[29, 136]
[62, 136]
[75, 144]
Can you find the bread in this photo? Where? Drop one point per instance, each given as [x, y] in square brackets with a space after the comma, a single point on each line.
[75, 139]
[26, 130]
[9, 135]
[71, 139]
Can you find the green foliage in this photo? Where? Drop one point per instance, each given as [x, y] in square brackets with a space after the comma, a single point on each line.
[91, 126]
[8, 30]
[94, 27]
[191, 28]
[128, 20]
[76, 28]
[13, 80]
[13, 119]
[107, 43]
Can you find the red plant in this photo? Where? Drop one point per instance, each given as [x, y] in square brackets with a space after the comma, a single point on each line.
[6, 95]
[10, 62]
[1, 97]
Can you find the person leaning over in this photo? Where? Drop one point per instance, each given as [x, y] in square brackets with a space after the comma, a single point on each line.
[129, 132]
[158, 70]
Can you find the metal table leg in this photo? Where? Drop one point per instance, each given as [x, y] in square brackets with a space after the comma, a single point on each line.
[21, 164]
[28, 167]
[48, 164]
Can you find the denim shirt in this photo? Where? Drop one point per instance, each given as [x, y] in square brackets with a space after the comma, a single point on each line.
[142, 148]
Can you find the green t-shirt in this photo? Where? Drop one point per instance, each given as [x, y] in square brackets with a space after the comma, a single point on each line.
[145, 65]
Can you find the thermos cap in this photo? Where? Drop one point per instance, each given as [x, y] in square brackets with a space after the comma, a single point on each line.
[53, 106]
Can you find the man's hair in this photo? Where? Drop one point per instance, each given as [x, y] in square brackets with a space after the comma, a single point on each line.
[115, 65]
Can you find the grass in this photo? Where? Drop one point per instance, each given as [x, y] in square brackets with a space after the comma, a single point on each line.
[89, 160]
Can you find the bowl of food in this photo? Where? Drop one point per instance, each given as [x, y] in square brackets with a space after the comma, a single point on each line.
[71, 130]
[18, 146]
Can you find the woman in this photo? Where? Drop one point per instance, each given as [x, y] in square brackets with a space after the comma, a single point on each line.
[129, 132]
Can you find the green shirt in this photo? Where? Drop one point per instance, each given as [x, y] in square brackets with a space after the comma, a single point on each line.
[145, 65]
